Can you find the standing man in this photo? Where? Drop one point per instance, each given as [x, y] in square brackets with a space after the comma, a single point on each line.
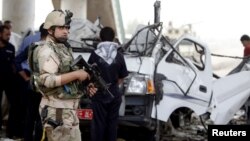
[8, 80]
[57, 81]
[113, 70]
[245, 40]
[15, 38]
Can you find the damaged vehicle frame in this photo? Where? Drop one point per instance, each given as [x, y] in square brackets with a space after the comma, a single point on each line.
[167, 81]
[164, 79]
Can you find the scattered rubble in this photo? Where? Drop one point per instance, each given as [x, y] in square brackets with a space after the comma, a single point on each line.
[195, 131]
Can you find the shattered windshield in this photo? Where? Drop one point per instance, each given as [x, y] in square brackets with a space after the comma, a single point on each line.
[144, 40]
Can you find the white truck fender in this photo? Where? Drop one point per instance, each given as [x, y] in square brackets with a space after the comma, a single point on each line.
[171, 102]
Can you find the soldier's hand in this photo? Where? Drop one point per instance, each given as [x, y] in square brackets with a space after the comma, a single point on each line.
[91, 89]
[82, 75]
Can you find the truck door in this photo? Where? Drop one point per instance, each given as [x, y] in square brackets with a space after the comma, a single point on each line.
[188, 70]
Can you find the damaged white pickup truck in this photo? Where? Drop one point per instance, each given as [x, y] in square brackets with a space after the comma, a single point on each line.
[166, 80]
[169, 80]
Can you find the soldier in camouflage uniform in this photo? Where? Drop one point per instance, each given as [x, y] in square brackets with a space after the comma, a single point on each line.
[57, 81]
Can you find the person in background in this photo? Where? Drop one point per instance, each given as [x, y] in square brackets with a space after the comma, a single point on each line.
[15, 38]
[25, 44]
[30, 99]
[113, 69]
[8, 81]
[245, 40]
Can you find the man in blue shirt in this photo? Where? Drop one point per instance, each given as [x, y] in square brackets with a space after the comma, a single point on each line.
[26, 42]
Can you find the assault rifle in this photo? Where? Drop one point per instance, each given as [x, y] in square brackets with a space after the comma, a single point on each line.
[94, 72]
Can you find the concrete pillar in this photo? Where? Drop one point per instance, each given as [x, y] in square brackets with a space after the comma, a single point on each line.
[103, 9]
[1, 3]
[78, 7]
[20, 12]
[118, 20]
[56, 4]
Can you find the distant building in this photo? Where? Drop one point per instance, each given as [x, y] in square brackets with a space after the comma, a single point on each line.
[174, 33]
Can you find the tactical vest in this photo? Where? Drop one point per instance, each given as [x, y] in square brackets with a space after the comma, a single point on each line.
[69, 91]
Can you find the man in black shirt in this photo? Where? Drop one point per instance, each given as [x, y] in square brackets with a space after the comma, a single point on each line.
[113, 69]
[7, 52]
[7, 77]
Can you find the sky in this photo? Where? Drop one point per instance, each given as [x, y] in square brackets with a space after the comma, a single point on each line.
[218, 22]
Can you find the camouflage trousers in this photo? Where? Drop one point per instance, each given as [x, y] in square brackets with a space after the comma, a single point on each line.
[67, 131]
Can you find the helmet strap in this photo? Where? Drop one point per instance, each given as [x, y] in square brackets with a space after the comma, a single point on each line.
[52, 34]
[57, 40]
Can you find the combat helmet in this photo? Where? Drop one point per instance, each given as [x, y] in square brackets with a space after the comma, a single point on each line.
[58, 18]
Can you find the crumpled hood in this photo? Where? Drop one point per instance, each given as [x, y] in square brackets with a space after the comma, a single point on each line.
[144, 65]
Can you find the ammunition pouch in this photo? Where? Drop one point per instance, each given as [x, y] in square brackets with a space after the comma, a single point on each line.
[70, 91]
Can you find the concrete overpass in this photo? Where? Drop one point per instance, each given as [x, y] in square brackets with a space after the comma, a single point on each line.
[22, 12]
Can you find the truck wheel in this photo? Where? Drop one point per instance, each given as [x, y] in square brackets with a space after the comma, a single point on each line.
[163, 130]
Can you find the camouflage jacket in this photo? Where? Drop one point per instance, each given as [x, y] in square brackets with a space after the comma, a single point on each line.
[50, 60]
